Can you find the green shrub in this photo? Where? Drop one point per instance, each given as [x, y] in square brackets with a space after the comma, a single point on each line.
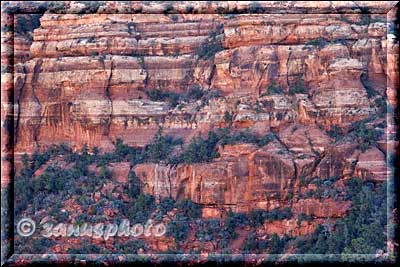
[208, 95]
[276, 244]
[228, 117]
[188, 208]
[52, 180]
[166, 205]
[210, 48]
[121, 152]
[200, 149]
[319, 42]
[274, 90]
[132, 247]
[255, 7]
[189, 9]
[85, 249]
[363, 135]
[157, 95]
[380, 104]
[362, 230]
[134, 184]
[194, 93]
[208, 230]
[335, 132]
[168, 9]
[253, 244]
[257, 217]
[277, 214]
[244, 136]
[90, 6]
[366, 82]
[234, 220]
[105, 172]
[141, 208]
[304, 217]
[41, 245]
[298, 87]
[23, 193]
[38, 159]
[161, 147]
[56, 7]
[178, 229]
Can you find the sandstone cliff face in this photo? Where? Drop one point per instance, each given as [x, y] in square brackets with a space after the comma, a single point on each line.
[320, 83]
[85, 78]
[243, 178]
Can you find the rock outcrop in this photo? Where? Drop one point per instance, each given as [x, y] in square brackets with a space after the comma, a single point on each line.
[89, 74]
[320, 79]
[244, 178]
[86, 80]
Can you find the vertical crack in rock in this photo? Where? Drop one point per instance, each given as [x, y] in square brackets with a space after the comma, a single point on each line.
[256, 50]
[319, 156]
[35, 76]
[143, 66]
[260, 80]
[296, 177]
[107, 92]
[212, 73]
[19, 86]
[170, 168]
[287, 68]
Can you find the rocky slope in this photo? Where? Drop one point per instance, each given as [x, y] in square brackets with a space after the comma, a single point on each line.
[320, 84]
[87, 81]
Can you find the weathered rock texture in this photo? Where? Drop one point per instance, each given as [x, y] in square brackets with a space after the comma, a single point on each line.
[82, 79]
[88, 75]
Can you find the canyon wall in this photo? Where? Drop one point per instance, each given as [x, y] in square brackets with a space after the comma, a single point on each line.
[82, 79]
[321, 79]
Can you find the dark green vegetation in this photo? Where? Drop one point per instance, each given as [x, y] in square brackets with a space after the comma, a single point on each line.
[298, 87]
[159, 95]
[246, 136]
[26, 23]
[255, 7]
[273, 89]
[91, 6]
[363, 133]
[212, 46]
[61, 180]
[362, 231]
[200, 149]
[271, 245]
[319, 42]
[58, 183]
[371, 92]
[168, 9]
[194, 93]
[335, 132]
[325, 188]
[381, 106]
[73, 178]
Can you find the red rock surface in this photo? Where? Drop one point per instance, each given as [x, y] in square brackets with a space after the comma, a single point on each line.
[322, 208]
[82, 79]
[244, 177]
[290, 227]
[122, 56]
